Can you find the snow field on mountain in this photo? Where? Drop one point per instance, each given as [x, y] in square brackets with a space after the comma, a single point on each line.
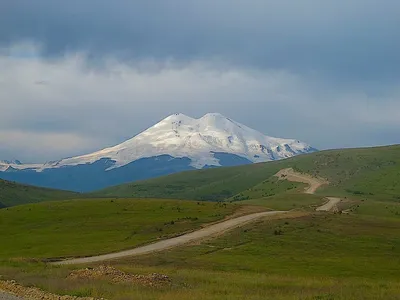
[197, 139]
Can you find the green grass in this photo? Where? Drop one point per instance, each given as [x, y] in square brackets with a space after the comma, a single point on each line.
[364, 173]
[86, 227]
[381, 209]
[316, 256]
[12, 194]
[287, 201]
[211, 184]
[306, 256]
[211, 285]
[319, 256]
[322, 245]
[372, 173]
[268, 188]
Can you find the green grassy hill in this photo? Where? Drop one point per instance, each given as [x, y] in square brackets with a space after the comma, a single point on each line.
[12, 194]
[300, 255]
[361, 173]
[91, 226]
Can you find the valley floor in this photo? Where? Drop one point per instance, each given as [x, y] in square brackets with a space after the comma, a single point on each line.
[314, 256]
[306, 254]
[207, 232]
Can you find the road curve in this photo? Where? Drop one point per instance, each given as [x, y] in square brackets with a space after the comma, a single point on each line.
[173, 242]
[291, 175]
[330, 205]
[285, 174]
[314, 183]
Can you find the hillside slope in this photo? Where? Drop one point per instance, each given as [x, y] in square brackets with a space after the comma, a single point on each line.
[363, 172]
[91, 226]
[12, 194]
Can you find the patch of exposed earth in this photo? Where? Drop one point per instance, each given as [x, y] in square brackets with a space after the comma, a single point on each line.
[13, 290]
[116, 276]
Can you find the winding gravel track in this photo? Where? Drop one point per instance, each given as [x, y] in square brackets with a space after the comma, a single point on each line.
[215, 229]
[330, 205]
[313, 182]
[206, 232]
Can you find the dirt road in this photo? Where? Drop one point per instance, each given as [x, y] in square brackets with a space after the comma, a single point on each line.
[330, 205]
[206, 232]
[212, 230]
[313, 182]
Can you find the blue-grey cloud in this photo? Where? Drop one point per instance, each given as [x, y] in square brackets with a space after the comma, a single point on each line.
[346, 40]
[80, 110]
[76, 76]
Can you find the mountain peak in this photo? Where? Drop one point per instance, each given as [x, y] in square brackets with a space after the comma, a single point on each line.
[183, 117]
[10, 162]
[178, 116]
[213, 115]
[199, 140]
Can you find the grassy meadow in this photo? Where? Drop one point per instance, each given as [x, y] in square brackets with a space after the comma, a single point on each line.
[303, 255]
[88, 227]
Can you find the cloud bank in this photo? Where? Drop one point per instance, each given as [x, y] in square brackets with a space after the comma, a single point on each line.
[77, 76]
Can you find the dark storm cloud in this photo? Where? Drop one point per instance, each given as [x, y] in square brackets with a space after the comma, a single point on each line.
[78, 76]
[80, 110]
[345, 40]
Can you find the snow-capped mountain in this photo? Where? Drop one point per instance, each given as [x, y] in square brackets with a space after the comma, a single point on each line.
[212, 140]
[10, 162]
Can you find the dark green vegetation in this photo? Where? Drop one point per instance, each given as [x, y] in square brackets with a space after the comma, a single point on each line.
[362, 173]
[87, 227]
[12, 194]
[210, 184]
[287, 201]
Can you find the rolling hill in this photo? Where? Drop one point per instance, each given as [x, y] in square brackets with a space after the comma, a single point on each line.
[87, 226]
[363, 172]
[318, 255]
[12, 194]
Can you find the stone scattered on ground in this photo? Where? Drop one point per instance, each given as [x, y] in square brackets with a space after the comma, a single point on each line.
[10, 286]
[117, 276]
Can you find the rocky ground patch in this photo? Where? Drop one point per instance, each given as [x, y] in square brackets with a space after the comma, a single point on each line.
[10, 286]
[117, 276]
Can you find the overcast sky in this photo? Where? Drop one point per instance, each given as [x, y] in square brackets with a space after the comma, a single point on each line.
[77, 76]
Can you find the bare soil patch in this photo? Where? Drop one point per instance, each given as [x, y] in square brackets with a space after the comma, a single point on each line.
[117, 276]
[34, 293]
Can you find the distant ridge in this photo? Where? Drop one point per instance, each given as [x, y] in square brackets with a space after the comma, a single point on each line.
[15, 194]
[174, 144]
